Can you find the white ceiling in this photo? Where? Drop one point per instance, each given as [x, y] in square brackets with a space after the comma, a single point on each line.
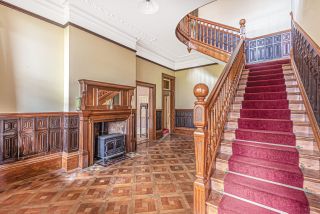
[153, 36]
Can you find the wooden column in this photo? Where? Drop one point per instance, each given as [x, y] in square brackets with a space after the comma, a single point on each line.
[84, 138]
[200, 138]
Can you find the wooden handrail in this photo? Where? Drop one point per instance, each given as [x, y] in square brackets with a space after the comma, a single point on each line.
[214, 39]
[305, 57]
[210, 117]
[214, 23]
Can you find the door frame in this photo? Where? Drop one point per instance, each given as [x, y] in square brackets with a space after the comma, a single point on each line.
[172, 100]
[152, 104]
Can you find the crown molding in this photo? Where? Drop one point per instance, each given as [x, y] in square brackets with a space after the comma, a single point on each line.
[155, 57]
[62, 13]
[52, 10]
[80, 18]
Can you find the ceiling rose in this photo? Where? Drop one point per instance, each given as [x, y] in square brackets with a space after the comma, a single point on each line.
[148, 6]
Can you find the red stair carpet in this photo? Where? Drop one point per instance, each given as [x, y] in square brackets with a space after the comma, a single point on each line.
[264, 149]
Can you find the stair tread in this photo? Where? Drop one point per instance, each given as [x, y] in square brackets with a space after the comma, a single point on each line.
[273, 189]
[292, 111]
[267, 131]
[289, 101]
[266, 146]
[266, 164]
[295, 123]
[299, 135]
[238, 206]
[314, 199]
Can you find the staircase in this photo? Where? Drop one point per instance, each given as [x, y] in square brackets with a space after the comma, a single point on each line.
[268, 160]
[257, 134]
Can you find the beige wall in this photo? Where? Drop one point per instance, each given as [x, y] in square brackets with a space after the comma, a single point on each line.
[263, 17]
[31, 64]
[152, 73]
[307, 14]
[187, 79]
[97, 59]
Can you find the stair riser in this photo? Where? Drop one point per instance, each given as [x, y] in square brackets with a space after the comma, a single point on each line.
[294, 117]
[222, 165]
[292, 106]
[303, 144]
[289, 97]
[285, 72]
[288, 82]
[274, 175]
[313, 187]
[265, 198]
[301, 129]
[217, 185]
[295, 89]
[211, 210]
[279, 156]
[244, 78]
[309, 163]
[304, 162]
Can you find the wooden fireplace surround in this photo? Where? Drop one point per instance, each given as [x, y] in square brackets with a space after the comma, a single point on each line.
[92, 111]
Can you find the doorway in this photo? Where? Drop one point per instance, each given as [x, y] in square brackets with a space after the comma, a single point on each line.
[168, 104]
[146, 111]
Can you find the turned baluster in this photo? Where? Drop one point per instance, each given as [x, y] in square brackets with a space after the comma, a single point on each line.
[200, 137]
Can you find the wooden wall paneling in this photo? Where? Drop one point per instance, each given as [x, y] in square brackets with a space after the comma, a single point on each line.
[268, 47]
[8, 140]
[27, 145]
[184, 118]
[55, 134]
[159, 115]
[42, 135]
[71, 133]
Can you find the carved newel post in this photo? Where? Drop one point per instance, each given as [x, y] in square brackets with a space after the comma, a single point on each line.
[242, 28]
[200, 137]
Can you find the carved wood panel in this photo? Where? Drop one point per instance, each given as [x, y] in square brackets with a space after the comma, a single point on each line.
[27, 145]
[72, 140]
[55, 140]
[10, 147]
[27, 135]
[41, 145]
[184, 118]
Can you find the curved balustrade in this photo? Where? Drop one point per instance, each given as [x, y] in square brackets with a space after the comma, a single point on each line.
[211, 38]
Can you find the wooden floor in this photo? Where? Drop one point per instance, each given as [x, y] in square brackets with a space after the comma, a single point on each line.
[158, 180]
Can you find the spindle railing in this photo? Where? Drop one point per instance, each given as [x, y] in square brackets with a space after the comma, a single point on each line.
[306, 62]
[211, 38]
[210, 117]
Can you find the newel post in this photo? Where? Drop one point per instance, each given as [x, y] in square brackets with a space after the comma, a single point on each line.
[242, 28]
[200, 137]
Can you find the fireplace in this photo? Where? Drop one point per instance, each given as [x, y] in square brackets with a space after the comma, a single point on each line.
[106, 115]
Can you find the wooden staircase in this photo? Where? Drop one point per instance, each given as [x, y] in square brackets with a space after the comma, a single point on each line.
[216, 117]
[309, 155]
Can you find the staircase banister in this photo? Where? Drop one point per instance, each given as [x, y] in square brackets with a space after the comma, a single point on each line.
[306, 35]
[215, 91]
[300, 71]
[214, 23]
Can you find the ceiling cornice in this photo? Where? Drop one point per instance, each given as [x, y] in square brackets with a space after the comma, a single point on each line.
[63, 14]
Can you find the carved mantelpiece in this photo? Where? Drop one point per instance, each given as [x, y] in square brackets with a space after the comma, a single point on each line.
[96, 98]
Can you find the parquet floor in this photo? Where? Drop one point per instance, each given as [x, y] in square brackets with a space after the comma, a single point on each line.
[158, 180]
